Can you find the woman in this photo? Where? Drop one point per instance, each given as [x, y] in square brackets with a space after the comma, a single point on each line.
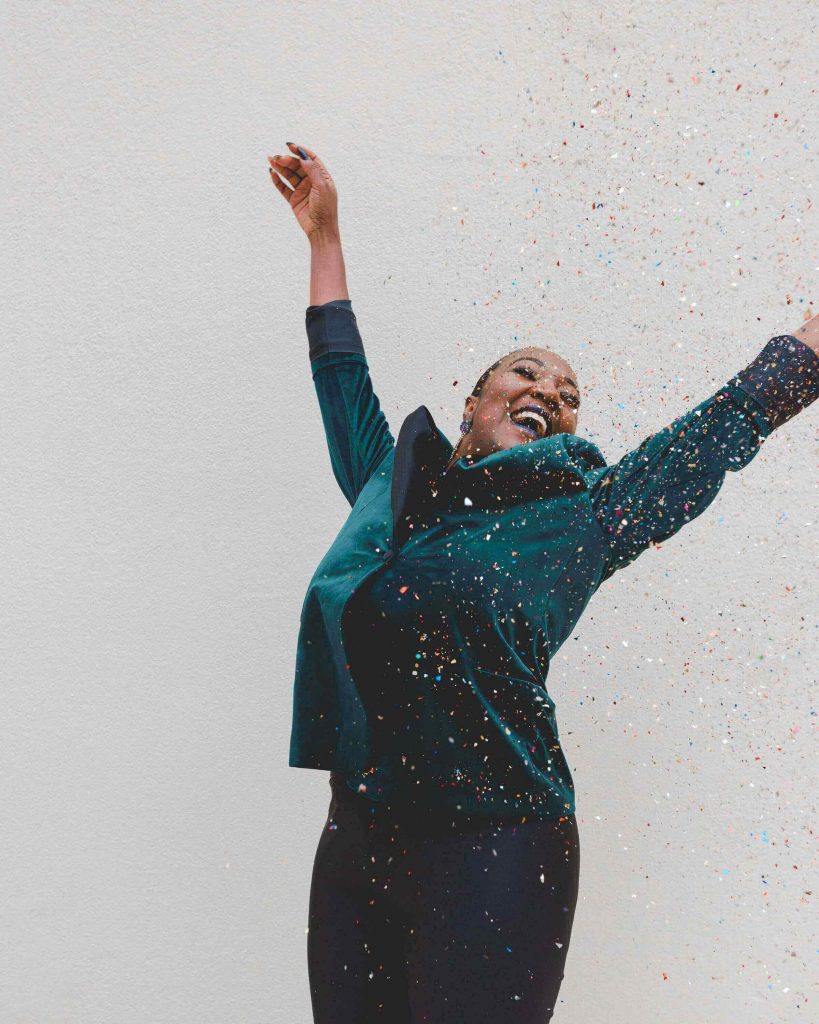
[445, 881]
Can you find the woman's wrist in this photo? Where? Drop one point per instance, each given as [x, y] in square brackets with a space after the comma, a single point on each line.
[328, 278]
[324, 238]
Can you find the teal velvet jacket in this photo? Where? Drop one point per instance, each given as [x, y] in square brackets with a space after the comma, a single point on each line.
[497, 559]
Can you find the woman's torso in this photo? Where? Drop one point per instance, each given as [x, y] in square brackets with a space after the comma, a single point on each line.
[450, 646]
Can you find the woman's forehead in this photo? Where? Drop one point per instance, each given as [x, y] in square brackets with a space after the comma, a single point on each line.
[544, 356]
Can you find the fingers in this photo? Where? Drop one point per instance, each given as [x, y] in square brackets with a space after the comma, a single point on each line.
[315, 159]
[280, 185]
[295, 169]
[289, 167]
[299, 165]
[301, 150]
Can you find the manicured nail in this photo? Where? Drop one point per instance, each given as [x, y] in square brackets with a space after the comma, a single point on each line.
[301, 153]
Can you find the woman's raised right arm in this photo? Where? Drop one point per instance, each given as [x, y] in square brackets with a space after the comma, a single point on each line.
[358, 436]
[357, 432]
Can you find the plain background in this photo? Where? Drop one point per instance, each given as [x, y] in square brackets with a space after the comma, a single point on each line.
[633, 186]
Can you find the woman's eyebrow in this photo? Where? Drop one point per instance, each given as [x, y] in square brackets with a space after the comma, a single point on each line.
[541, 363]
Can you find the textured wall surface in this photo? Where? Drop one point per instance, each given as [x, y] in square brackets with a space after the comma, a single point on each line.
[630, 184]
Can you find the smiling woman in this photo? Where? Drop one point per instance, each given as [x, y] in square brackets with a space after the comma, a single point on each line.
[445, 881]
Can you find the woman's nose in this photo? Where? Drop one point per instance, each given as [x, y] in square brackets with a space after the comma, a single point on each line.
[546, 390]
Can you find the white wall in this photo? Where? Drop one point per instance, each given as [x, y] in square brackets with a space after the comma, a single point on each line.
[167, 493]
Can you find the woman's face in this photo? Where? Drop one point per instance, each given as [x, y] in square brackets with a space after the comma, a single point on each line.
[531, 394]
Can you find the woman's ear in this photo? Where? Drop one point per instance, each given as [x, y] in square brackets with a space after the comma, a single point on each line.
[470, 406]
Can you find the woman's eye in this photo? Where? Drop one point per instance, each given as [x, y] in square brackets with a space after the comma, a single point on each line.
[570, 398]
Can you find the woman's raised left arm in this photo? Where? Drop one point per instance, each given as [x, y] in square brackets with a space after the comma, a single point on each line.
[675, 474]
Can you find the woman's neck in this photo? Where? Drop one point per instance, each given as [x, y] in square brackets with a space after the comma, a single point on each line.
[456, 457]
[452, 460]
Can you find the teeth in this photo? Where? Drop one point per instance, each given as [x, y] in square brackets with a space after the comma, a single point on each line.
[527, 414]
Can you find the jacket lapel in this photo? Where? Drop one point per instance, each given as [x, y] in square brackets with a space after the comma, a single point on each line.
[421, 452]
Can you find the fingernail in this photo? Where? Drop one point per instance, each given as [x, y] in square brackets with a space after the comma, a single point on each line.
[301, 153]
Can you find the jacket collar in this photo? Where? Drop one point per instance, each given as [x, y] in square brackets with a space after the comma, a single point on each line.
[549, 467]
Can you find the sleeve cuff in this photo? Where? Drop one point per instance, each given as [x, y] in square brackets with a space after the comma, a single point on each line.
[783, 378]
[332, 327]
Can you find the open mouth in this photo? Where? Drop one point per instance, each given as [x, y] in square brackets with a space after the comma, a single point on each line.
[530, 421]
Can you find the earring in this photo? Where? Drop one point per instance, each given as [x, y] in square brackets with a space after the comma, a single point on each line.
[466, 426]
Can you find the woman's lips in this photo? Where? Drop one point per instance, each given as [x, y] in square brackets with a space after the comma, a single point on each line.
[533, 435]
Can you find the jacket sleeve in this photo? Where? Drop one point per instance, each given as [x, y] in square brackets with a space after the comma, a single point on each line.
[675, 474]
[358, 436]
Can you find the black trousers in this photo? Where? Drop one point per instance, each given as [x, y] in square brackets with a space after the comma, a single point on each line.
[414, 921]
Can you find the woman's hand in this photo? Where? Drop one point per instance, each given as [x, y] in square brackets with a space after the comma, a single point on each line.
[312, 197]
[809, 333]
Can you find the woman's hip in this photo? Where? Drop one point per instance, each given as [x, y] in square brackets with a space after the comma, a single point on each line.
[417, 852]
